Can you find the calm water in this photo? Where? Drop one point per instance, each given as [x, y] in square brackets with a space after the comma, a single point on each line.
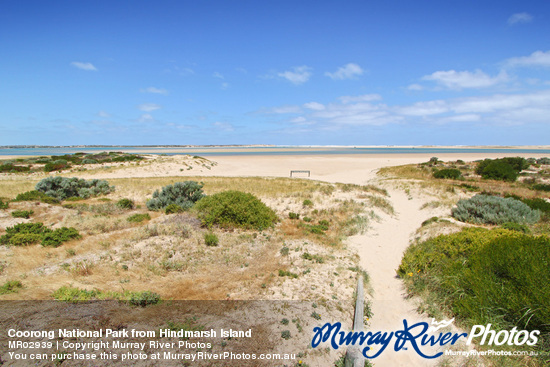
[213, 151]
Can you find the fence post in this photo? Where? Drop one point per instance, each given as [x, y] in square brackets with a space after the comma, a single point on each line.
[354, 357]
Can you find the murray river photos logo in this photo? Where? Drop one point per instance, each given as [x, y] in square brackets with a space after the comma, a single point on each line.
[418, 336]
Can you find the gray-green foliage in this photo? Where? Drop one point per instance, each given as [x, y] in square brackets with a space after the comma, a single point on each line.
[64, 187]
[183, 194]
[485, 209]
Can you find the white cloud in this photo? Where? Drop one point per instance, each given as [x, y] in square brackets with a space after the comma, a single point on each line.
[520, 18]
[286, 109]
[348, 71]
[537, 58]
[462, 118]
[104, 114]
[154, 90]
[363, 98]
[149, 107]
[146, 118]
[498, 109]
[298, 75]
[225, 126]
[314, 106]
[424, 108]
[224, 86]
[465, 79]
[84, 66]
[218, 75]
[415, 87]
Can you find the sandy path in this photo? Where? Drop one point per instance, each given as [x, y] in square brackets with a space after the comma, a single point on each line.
[381, 250]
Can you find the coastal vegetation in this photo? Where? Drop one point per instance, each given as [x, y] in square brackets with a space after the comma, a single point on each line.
[64, 162]
[495, 270]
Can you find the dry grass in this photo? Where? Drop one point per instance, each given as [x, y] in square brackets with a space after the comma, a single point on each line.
[168, 254]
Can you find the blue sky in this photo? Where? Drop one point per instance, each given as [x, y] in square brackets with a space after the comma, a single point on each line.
[275, 72]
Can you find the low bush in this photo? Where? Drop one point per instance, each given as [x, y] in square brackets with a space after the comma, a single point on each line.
[286, 273]
[484, 209]
[235, 209]
[183, 194]
[544, 160]
[125, 204]
[538, 204]
[292, 215]
[89, 161]
[36, 196]
[448, 173]
[25, 239]
[22, 214]
[10, 168]
[137, 218]
[60, 235]
[11, 286]
[30, 233]
[210, 239]
[484, 276]
[143, 299]
[541, 187]
[58, 165]
[75, 295]
[4, 204]
[515, 227]
[307, 202]
[503, 169]
[63, 187]
[173, 209]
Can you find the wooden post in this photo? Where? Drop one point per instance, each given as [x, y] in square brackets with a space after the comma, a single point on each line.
[354, 357]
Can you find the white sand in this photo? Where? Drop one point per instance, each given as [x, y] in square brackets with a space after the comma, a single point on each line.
[381, 249]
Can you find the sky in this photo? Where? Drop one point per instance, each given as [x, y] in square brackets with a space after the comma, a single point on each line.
[298, 72]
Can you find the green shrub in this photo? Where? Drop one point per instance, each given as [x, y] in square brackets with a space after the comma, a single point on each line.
[173, 209]
[21, 229]
[74, 295]
[210, 239]
[538, 204]
[143, 299]
[484, 209]
[11, 286]
[503, 169]
[544, 160]
[541, 187]
[58, 165]
[36, 196]
[125, 204]
[63, 187]
[510, 280]
[292, 215]
[499, 276]
[10, 168]
[89, 161]
[307, 202]
[433, 161]
[285, 334]
[29, 233]
[448, 173]
[511, 226]
[235, 209]
[183, 194]
[3, 205]
[60, 235]
[137, 218]
[286, 273]
[22, 214]
[25, 239]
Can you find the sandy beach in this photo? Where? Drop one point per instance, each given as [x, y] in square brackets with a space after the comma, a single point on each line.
[380, 249]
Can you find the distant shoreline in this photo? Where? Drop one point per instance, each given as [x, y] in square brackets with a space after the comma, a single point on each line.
[280, 146]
